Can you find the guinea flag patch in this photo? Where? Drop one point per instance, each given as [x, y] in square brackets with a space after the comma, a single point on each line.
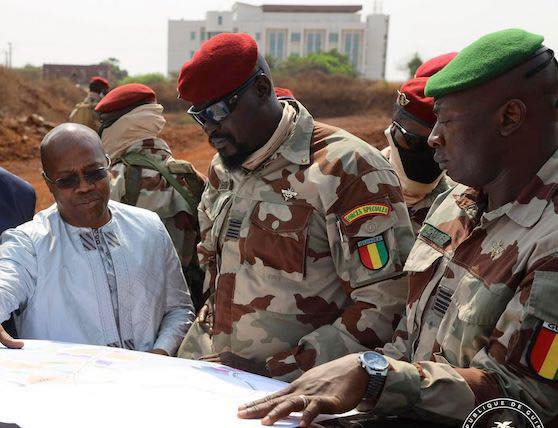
[373, 252]
[543, 355]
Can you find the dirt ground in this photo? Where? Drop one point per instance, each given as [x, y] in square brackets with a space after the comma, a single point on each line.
[188, 142]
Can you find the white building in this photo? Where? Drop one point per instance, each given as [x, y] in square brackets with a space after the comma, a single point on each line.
[282, 30]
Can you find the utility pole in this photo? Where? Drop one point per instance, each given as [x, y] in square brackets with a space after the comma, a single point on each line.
[9, 54]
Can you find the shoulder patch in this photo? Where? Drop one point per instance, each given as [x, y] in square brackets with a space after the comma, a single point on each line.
[366, 210]
[373, 252]
[543, 352]
[435, 235]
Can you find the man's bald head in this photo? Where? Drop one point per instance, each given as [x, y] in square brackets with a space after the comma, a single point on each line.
[65, 137]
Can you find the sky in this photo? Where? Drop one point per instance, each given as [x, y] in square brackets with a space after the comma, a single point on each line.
[135, 31]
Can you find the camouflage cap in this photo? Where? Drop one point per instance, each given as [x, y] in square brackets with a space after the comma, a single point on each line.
[488, 57]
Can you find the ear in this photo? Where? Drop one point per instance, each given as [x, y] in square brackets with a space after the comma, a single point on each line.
[263, 87]
[511, 116]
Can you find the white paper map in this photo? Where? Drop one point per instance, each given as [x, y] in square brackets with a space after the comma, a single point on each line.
[52, 384]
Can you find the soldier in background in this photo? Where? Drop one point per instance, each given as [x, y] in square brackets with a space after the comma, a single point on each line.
[481, 319]
[84, 112]
[304, 228]
[144, 173]
[422, 180]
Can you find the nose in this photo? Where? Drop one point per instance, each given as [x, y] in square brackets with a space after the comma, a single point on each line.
[435, 138]
[210, 126]
[84, 186]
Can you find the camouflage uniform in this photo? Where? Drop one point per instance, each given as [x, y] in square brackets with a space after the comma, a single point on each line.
[418, 211]
[483, 291]
[281, 249]
[155, 194]
[84, 112]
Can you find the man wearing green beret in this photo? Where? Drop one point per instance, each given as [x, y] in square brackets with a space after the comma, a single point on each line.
[481, 319]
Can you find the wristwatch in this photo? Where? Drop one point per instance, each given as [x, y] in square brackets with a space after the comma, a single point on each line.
[376, 365]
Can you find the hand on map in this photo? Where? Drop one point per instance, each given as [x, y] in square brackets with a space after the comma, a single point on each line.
[236, 362]
[334, 387]
[8, 341]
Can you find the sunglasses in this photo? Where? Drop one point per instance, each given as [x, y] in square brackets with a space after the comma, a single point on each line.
[414, 141]
[72, 181]
[219, 110]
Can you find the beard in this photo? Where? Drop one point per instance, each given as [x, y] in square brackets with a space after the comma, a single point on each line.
[235, 161]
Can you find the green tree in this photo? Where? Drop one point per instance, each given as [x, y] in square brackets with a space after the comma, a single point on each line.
[413, 64]
[114, 64]
[331, 62]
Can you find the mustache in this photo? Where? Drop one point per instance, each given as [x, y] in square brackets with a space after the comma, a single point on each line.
[89, 198]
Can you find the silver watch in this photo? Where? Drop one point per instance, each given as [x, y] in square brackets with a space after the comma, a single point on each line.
[376, 365]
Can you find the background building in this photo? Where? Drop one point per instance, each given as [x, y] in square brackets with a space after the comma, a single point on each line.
[282, 30]
[81, 74]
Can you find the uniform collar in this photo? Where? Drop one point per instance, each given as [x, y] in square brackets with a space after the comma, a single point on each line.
[296, 148]
[529, 206]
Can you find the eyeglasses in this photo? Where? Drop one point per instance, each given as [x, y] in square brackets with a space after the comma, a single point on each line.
[219, 110]
[72, 181]
[414, 141]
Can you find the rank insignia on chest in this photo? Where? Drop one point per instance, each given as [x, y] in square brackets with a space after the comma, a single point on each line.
[225, 185]
[373, 252]
[543, 353]
[288, 193]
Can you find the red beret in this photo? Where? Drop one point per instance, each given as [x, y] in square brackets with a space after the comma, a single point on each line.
[99, 79]
[124, 96]
[432, 66]
[283, 93]
[411, 98]
[222, 64]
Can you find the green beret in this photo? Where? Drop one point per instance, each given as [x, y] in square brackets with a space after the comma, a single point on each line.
[483, 60]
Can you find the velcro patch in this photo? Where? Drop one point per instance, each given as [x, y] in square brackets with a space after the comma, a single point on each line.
[543, 353]
[435, 235]
[366, 210]
[373, 252]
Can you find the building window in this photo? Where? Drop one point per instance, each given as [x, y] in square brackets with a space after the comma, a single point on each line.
[351, 46]
[257, 37]
[333, 37]
[219, 20]
[314, 41]
[276, 44]
[193, 35]
[192, 54]
[202, 34]
[295, 37]
[235, 30]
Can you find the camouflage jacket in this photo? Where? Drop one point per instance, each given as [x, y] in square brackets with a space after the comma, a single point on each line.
[305, 254]
[84, 112]
[418, 211]
[155, 194]
[481, 318]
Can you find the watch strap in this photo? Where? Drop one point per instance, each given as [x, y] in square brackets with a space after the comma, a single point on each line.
[374, 386]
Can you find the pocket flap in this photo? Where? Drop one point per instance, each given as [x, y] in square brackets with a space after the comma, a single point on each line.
[281, 218]
[542, 299]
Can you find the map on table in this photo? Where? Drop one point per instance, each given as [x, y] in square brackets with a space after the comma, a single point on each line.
[51, 384]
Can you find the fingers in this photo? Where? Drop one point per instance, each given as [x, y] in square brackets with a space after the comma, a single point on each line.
[283, 408]
[310, 413]
[8, 341]
[281, 393]
[212, 358]
[202, 315]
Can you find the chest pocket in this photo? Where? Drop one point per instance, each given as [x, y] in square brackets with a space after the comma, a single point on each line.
[422, 265]
[277, 239]
[479, 305]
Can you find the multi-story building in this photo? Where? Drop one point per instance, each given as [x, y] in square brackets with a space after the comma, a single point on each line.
[282, 30]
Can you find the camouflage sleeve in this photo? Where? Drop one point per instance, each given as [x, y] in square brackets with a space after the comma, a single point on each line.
[207, 250]
[369, 236]
[398, 348]
[520, 361]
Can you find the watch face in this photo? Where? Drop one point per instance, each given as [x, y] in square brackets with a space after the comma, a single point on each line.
[375, 361]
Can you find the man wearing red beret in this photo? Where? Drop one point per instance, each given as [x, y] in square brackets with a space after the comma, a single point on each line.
[144, 173]
[84, 112]
[408, 151]
[304, 227]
